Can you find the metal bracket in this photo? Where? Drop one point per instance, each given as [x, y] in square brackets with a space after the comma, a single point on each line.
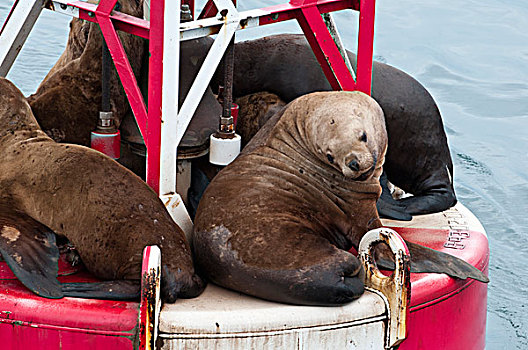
[394, 289]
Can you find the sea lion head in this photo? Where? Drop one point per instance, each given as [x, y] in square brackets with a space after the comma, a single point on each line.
[346, 131]
[15, 113]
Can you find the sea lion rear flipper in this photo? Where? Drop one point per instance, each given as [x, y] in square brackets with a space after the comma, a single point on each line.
[29, 249]
[110, 290]
[425, 259]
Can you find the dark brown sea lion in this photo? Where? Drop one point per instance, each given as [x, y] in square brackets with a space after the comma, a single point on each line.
[68, 101]
[102, 208]
[278, 222]
[418, 159]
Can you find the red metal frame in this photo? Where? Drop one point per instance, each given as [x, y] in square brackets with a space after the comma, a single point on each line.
[307, 12]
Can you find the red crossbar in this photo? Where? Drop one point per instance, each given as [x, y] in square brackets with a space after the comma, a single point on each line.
[307, 12]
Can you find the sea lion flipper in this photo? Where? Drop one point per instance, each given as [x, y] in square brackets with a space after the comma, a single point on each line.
[432, 202]
[387, 206]
[110, 290]
[425, 259]
[30, 251]
[391, 209]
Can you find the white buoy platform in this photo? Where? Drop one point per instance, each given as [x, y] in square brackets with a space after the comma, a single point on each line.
[222, 319]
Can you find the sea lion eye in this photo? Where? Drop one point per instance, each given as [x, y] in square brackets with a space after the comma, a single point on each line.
[330, 158]
[364, 137]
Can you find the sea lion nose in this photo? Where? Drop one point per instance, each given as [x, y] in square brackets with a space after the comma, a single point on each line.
[353, 165]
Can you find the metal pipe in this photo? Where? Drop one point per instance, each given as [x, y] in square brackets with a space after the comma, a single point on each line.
[105, 78]
[226, 120]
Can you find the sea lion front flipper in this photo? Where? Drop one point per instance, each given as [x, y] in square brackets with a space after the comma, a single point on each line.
[425, 259]
[30, 251]
[110, 290]
[387, 206]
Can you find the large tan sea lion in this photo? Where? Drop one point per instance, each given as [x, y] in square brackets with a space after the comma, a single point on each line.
[278, 222]
[102, 208]
[418, 158]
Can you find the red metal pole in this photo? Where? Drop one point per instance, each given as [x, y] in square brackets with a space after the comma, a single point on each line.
[365, 45]
[155, 86]
[325, 49]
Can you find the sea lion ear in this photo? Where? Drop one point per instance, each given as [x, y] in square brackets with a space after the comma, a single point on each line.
[30, 251]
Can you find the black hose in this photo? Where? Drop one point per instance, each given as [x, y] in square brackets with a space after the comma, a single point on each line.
[105, 77]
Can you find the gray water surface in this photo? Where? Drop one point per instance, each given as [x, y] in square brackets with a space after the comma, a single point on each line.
[473, 58]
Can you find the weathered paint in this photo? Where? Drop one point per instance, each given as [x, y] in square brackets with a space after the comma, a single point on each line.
[396, 288]
[222, 319]
[28, 321]
[150, 298]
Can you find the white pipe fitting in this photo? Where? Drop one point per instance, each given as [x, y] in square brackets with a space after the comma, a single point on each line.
[223, 151]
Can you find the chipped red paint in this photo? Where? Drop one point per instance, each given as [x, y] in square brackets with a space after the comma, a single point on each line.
[28, 321]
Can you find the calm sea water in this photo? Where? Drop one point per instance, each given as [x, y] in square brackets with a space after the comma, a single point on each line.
[473, 58]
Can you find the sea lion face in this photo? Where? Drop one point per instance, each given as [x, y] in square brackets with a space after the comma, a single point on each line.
[349, 151]
[350, 134]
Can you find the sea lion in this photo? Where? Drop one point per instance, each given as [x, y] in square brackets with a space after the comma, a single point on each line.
[278, 222]
[102, 208]
[254, 111]
[418, 159]
[68, 100]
